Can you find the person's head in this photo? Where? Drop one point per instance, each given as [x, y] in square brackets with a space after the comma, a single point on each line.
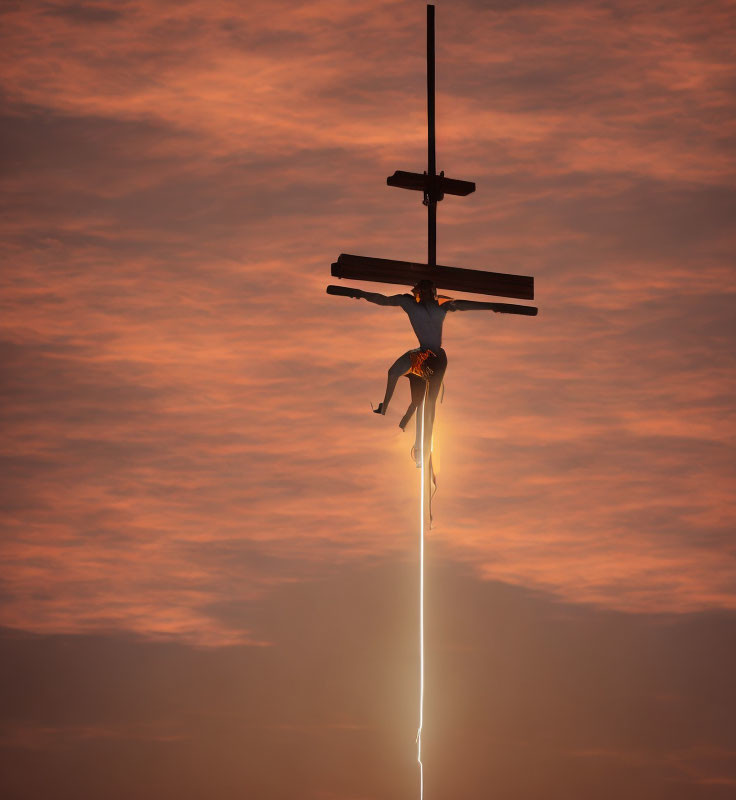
[425, 290]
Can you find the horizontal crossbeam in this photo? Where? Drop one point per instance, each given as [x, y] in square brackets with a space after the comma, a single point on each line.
[438, 184]
[408, 273]
[503, 308]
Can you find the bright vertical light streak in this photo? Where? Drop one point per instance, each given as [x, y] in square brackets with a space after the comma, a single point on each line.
[421, 610]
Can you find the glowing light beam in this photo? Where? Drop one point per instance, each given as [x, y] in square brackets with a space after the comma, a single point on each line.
[421, 607]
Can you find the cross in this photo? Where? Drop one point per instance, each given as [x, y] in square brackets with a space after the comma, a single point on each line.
[434, 187]
[428, 381]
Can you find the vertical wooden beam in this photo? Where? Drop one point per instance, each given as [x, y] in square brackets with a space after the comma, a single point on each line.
[431, 158]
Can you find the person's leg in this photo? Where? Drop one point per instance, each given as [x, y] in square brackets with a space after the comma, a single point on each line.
[419, 426]
[438, 365]
[400, 367]
[418, 386]
[419, 397]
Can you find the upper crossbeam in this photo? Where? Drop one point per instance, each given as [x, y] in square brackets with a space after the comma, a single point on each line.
[434, 185]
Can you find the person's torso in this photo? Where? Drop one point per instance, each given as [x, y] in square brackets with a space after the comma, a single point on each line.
[426, 320]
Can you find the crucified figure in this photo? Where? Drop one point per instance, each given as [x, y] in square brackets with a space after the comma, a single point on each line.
[424, 366]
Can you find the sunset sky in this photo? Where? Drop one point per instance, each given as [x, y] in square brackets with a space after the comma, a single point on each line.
[209, 547]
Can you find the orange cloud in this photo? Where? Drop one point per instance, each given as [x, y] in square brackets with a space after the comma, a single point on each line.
[186, 413]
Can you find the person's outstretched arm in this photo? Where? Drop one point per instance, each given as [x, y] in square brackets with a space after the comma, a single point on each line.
[499, 308]
[371, 297]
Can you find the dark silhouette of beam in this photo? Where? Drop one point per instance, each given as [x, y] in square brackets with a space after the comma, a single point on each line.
[408, 273]
[422, 182]
[430, 198]
[503, 308]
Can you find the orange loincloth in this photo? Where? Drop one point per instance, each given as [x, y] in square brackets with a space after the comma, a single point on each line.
[418, 367]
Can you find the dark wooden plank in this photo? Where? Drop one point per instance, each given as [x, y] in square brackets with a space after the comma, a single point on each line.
[502, 308]
[420, 182]
[456, 187]
[408, 273]
[408, 180]
[431, 198]
[512, 308]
